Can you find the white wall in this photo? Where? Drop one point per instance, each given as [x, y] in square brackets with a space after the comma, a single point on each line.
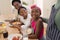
[6, 10]
[29, 2]
[47, 4]
[39, 3]
[5, 6]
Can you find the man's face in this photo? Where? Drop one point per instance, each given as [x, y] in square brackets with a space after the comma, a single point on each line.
[16, 5]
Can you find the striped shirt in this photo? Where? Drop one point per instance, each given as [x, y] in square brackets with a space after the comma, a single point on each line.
[52, 31]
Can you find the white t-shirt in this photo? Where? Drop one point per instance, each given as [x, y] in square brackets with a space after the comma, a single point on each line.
[25, 21]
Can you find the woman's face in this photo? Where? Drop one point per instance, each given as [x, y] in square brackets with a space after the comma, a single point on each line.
[16, 5]
[35, 13]
[23, 12]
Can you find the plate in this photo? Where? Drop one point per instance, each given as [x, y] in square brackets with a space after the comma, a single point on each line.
[14, 23]
[29, 31]
[10, 37]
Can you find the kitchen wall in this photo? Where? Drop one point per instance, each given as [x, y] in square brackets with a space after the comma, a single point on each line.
[5, 6]
[47, 4]
[29, 2]
[6, 10]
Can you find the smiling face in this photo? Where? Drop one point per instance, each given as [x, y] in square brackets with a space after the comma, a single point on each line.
[17, 5]
[35, 13]
[23, 12]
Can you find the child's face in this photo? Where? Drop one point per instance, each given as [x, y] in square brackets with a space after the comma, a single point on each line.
[23, 12]
[35, 13]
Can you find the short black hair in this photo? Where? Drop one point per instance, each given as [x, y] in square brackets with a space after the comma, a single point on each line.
[20, 8]
[15, 1]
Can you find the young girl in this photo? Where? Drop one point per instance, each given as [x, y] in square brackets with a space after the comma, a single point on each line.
[24, 17]
[36, 23]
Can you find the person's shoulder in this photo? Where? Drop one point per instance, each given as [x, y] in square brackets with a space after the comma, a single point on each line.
[39, 20]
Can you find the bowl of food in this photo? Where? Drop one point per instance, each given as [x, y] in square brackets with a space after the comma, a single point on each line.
[29, 30]
[15, 37]
[16, 23]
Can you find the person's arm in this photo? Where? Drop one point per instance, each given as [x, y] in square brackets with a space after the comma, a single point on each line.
[26, 25]
[39, 26]
[17, 26]
[45, 20]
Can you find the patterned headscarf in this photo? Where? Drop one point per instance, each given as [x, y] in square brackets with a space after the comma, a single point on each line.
[34, 6]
